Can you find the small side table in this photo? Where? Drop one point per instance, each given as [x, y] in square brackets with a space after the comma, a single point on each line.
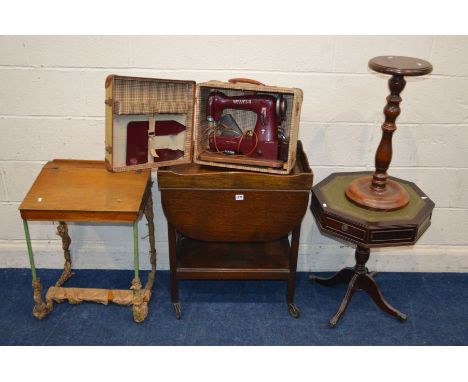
[338, 216]
[84, 191]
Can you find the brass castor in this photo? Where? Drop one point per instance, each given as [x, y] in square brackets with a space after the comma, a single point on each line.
[293, 310]
[332, 323]
[402, 317]
[177, 310]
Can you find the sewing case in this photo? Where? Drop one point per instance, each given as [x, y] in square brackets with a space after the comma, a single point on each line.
[180, 107]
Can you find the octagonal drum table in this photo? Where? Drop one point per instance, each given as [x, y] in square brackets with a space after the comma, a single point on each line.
[336, 215]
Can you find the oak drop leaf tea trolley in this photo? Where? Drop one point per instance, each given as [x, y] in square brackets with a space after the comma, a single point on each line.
[226, 224]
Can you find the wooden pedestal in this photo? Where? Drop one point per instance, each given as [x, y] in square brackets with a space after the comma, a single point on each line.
[337, 216]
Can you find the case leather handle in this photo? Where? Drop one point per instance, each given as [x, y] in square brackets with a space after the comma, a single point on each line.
[245, 81]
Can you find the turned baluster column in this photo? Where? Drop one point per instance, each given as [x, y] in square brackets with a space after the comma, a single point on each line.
[383, 156]
[362, 255]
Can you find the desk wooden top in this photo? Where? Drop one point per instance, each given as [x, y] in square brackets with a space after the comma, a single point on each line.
[81, 190]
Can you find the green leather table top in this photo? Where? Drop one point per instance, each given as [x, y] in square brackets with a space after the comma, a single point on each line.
[334, 194]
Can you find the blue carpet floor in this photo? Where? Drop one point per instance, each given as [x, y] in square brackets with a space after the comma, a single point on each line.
[240, 313]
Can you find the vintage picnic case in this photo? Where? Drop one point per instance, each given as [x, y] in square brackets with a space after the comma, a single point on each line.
[161, 122]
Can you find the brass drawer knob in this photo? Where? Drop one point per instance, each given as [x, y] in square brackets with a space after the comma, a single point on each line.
[344, 227]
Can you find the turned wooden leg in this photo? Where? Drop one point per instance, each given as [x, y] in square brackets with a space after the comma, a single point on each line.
[173, 271]
[292, 308]
[369, 285]
[293, 253]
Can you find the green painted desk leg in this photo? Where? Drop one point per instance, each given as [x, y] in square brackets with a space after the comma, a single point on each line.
[40, 309]
[140, 309]
[136, 258]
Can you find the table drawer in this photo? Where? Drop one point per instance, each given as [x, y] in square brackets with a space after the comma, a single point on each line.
[400, 235]
[344, 228]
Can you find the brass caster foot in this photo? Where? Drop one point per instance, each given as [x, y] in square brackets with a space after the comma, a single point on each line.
[333, 322]
[402, 317]
[177, 310]
[293, 311]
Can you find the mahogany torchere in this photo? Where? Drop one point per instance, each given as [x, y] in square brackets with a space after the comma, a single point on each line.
[225, 224]
[378, 191]
[373, 210]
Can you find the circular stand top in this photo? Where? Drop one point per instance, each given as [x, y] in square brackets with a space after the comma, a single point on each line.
[400, 65]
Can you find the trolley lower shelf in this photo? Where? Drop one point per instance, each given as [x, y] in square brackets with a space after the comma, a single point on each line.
[215, 260]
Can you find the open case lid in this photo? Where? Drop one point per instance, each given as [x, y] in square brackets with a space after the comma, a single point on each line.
[138, 99]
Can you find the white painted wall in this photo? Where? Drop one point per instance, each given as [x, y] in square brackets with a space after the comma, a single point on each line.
[52, 106]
